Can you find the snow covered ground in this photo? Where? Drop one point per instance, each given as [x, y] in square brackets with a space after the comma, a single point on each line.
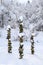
[13, 58]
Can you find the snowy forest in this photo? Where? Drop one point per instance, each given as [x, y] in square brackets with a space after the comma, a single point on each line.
[21, 32]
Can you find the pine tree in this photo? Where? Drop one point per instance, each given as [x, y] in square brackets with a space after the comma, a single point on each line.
[8, 35]
[21, 27]
[32, 44]
[21, 51]
[21, 39]
[9, 41]
[9, 46]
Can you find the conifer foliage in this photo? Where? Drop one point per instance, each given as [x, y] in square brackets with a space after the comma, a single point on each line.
[9, 40]
[8, 35]
[32, 44]
[21, 39]
[9, 46]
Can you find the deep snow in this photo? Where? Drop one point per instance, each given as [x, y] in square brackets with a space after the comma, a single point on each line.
[13, 58]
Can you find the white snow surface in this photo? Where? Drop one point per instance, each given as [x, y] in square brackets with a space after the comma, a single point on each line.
[21, 18]
[8, 27]
[13, 58]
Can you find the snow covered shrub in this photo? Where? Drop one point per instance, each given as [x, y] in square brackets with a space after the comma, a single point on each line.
[21, 28]
[8, 35]
[21, 37]
[21, 51]
[32, 44]
[9, 46]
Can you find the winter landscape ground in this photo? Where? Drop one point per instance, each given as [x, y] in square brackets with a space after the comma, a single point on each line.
[13, 58]
[23, 17]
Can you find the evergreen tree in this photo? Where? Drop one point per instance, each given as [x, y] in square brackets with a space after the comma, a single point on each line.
[9, 46]
[8, 35]
[9, 41]
[21, 51]
[21, 38]
[32, 44]
[21, 27]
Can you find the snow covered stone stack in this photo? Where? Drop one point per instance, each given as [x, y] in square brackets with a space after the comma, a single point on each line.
[32, 43]
[21, 37]
[9, 39]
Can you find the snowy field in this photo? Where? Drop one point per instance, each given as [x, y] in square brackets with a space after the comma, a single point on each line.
[13, 58]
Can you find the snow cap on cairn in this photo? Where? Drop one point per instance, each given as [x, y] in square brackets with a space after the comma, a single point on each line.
[8, 27]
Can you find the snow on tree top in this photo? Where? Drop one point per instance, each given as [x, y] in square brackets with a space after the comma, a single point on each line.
[22, 43]
[8, 27]
[32, 34]
[21, 23]
[21, 34]
[21, 18]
